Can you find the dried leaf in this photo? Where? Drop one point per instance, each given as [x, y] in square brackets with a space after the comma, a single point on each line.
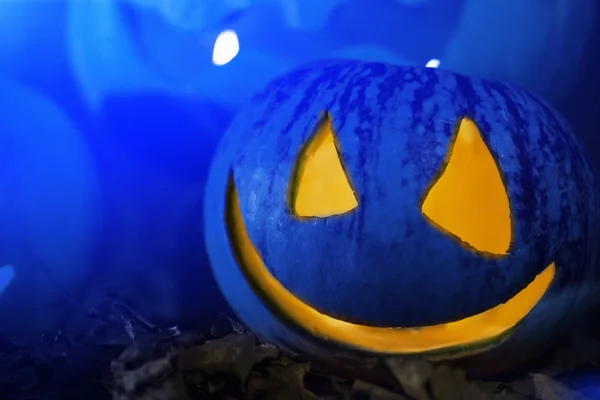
[451, 384]
[154, 379]
[226, 325]
[548, 389]
[523, 386]
[341, 389]
[286, 381]
[237, 326]
[374, 392]
[424, 381]
[291, 374]
[412, 375]
[234, 353]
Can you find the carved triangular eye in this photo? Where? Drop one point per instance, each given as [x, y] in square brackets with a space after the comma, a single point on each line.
[320, 186]
[469, 199]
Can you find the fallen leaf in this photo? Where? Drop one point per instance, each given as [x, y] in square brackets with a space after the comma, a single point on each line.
[523, 386]
[451, 384]
[548, 389]
[422, 380]
[412, 375]
[373, 392]
[234, 353]
[156, 379]
[226, 325]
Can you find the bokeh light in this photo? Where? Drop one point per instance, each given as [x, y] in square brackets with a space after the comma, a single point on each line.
[433, 63]
[226, 48]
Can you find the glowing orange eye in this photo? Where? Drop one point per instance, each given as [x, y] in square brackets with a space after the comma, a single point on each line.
[320, 186]
[469, 199]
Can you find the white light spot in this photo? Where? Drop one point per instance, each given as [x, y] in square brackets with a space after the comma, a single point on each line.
[226, 48]
[7, 273]
[433, 63]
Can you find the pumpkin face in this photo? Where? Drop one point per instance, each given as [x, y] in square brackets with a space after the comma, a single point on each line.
[396, 210]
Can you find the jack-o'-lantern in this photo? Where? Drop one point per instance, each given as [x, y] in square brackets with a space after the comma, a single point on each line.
[367, 209]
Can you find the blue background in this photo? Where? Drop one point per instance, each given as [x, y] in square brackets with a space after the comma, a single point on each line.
[111, 111]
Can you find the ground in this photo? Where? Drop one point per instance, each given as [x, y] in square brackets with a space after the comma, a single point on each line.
[125, 357]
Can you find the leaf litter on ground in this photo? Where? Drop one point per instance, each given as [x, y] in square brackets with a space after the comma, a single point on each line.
[125, 357]
[237, 365]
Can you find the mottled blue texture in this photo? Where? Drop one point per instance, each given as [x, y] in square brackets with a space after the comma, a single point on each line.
[383, 263]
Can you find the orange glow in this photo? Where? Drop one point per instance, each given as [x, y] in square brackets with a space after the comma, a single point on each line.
[469, 199]
[320, 186]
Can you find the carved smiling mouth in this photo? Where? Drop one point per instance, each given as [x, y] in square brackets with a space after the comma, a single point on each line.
[471, 332]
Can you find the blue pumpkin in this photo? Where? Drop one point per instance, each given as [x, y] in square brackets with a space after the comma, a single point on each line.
[363, 209]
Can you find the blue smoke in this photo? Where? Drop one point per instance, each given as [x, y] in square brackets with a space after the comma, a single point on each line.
[7, 274]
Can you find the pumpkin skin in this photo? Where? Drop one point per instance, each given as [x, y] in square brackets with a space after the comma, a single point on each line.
[382, 264]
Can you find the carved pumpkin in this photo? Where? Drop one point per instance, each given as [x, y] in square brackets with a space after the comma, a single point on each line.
[367, 209]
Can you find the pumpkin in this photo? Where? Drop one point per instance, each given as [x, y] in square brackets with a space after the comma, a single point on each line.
[369, 210]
